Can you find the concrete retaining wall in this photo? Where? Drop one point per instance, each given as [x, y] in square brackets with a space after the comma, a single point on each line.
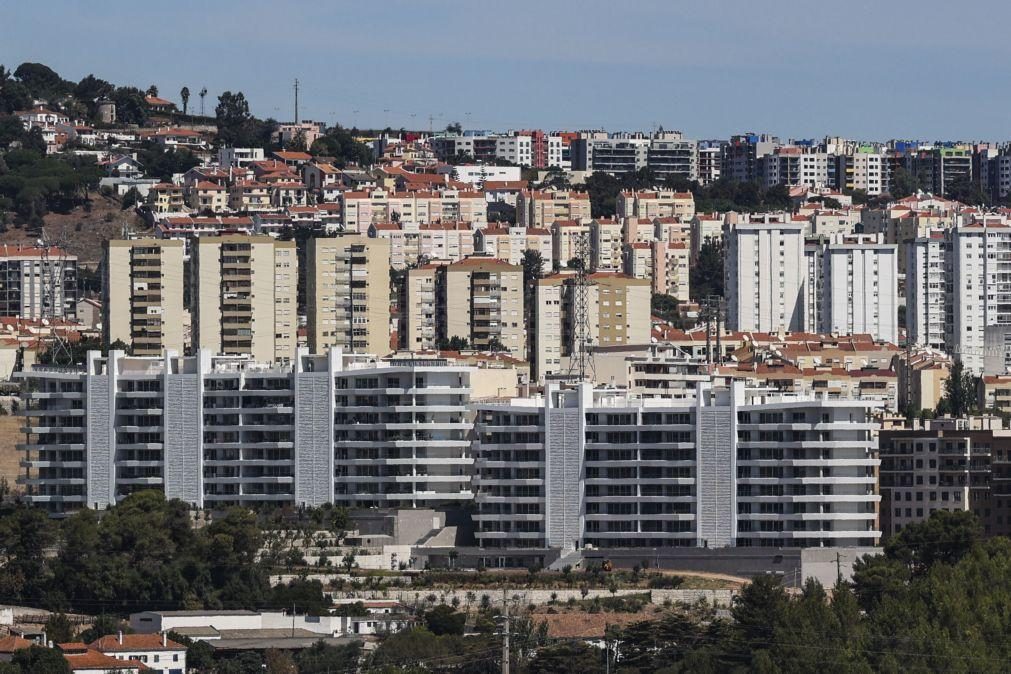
[540, 597]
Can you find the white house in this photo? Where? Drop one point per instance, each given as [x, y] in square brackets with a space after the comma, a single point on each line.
[239, 156]
[41, 117]
[156, 651]
[85, 660]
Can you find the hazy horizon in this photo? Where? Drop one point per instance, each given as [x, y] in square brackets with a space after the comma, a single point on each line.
[873, 71]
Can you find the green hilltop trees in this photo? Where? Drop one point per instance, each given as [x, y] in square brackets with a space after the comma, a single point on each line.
[143, 553]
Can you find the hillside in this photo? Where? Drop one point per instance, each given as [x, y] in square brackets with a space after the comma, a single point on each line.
[82, 231]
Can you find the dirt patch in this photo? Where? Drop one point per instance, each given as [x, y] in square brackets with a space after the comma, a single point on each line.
[83, 232]
[10, 435]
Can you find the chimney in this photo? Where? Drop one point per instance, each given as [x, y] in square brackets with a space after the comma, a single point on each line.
[119, 636]
[164, 639]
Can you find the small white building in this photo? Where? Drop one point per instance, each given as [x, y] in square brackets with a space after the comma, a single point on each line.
[478, 174]
[156, 651]
[208, 625]
[155, 622]
[238, 156]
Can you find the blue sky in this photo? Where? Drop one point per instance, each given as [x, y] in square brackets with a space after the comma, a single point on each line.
[799, 68]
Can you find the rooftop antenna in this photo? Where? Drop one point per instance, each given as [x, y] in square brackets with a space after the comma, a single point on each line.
[296, 100]
[54, 264]
[581, 359]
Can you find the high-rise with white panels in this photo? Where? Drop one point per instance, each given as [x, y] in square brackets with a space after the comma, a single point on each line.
[216, 431]
[961, 285]
[858, 287]
[730, 468]
[765, 275]
[926, 292]
[980, 278]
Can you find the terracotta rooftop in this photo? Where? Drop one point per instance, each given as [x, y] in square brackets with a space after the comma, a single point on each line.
[135, 642]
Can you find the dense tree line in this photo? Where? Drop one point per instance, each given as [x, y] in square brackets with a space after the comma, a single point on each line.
[339, 144]
[722, 195]
[33, 184]
[938, 599]
[144, 553]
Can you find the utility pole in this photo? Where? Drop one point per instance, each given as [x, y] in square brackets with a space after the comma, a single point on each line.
[296, 100]
[505, 633]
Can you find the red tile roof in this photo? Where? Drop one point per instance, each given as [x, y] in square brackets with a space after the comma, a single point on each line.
[12, 643]
[293, 156]
[154, 100]
[492, 185]
[135, 642]
[89, 659]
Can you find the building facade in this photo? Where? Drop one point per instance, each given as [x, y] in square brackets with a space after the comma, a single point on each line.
[219, 431]
[765, 276]
[142, 295]
[38, 283]
[348, 294]
[731, 468]
[245, 296]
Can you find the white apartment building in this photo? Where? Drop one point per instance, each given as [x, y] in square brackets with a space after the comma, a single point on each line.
[235, 157]
[516, 149]
[410, 242]
[852, 287]
[980, 278]
[971, 265]
[926, 295]
[710, 165]
[667, 154]
[556, 158]
[220, 431]
[765, 276]
[37, 283]
[730, 468]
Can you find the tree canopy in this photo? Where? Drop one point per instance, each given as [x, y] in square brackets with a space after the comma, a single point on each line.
[339, 144]
[143, 551]
[938, 599]
[706, 275]
[237, 127]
